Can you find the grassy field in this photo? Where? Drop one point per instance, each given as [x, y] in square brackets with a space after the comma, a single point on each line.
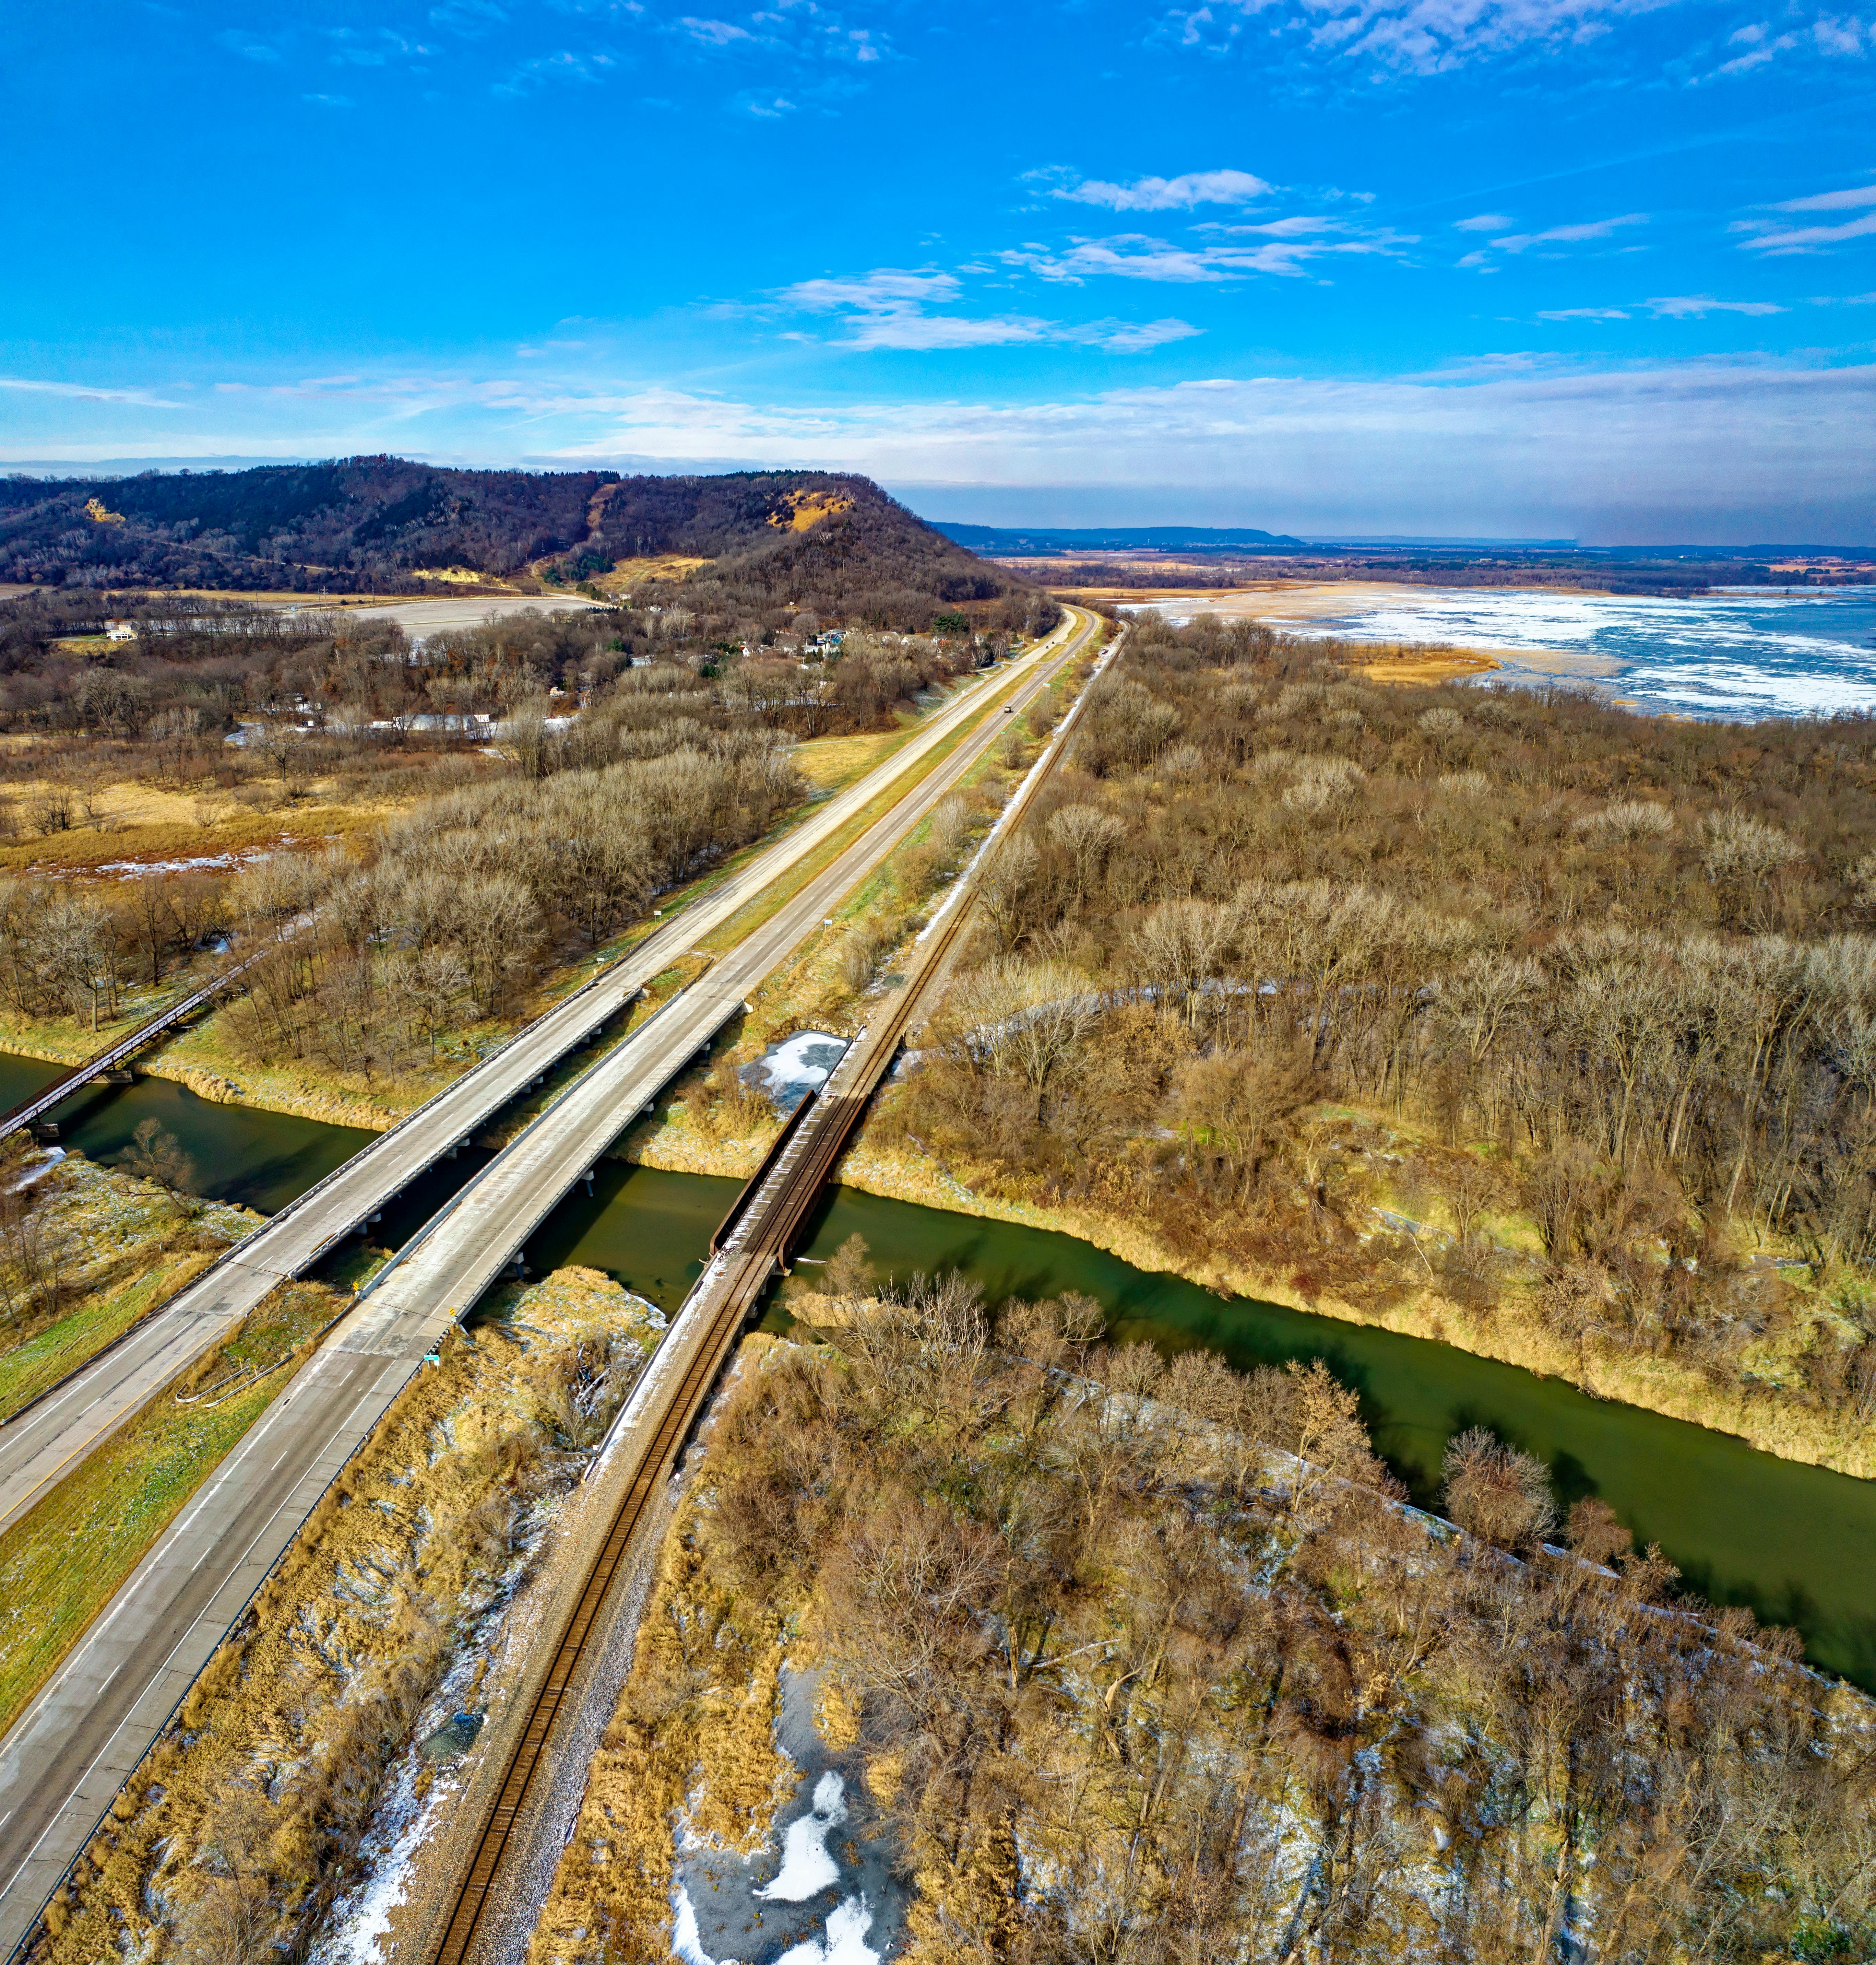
[832, 764]
[41, 1361]
[184, 843]
[61, 1565]
[126, 1246]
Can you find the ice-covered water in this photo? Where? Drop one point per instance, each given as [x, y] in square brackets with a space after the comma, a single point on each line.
[788, 1070]
[1736, 652]
[836, 1896]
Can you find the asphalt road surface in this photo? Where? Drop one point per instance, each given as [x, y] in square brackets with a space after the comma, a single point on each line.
[65, 1758]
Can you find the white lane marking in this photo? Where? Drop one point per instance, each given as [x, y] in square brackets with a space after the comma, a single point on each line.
[160, 1669]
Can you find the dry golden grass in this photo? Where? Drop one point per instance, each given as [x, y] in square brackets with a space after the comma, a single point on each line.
[832, 762]
[1409, 664]
[462, 576]
[628, 574]
[809, 509]
[233, 831]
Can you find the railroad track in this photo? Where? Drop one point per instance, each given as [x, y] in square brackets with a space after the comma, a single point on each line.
[757, 1236]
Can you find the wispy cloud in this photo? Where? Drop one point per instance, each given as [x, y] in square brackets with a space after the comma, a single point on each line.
[252, 47]
[1583, 313]
[1180, 194]
[1696, 307]
[891, 307]
[1482, 221]
[1584, 233]
[1852, 199]
[1519, 442]
[1410, 37]
[1775, 235]
[1527, 443]
[467, 18]
[563, 65]
[713, 33]
[88, 392]
[1286, 247]
[1832, 36]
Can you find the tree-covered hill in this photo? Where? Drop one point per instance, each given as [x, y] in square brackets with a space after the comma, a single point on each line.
[817, 539]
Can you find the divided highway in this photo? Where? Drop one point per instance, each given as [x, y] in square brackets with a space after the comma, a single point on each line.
[63, 1760]
[44, 1441]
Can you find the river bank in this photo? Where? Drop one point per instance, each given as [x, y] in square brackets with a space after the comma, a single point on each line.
[1796, 1541]
[685, 1134]
[671, 1140]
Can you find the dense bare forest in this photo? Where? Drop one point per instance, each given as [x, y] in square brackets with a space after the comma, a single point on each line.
[791, 541]
[524, 790]
[1128, 1682]
[1556, 1017]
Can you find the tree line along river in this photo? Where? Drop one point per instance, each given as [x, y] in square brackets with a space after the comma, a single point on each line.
[1797, 1543]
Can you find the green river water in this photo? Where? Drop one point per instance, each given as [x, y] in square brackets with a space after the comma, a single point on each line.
[1797, 1544]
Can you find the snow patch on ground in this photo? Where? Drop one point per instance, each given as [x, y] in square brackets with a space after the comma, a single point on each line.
[51, 1158]
[806, 1869]
[685, 1939]
[845, 1943]
[138, 869]
[789, 1070]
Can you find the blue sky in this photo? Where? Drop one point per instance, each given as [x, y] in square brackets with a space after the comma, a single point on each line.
[1603, 269]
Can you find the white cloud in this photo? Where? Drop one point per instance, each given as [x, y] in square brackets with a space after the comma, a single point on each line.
[1414, 37]
[1583, 313]
[1180, 194]
[1490, 448]
[1288, 246]
[1570, 235]
[1132, 337]
[887, 308]
[87, 392]
[565, 65]
[1832, 201]
[1128, 256]
[1765, 236]
[1520, 444]
[1483, 221]
[1558, 235]
[1833, 37]
[1696, 307]
[714, 34]
[887, 287]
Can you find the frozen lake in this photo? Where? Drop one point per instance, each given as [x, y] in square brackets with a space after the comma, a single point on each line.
[1735, 653]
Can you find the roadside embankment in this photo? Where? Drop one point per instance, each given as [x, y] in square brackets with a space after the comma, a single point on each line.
[322, 1736]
